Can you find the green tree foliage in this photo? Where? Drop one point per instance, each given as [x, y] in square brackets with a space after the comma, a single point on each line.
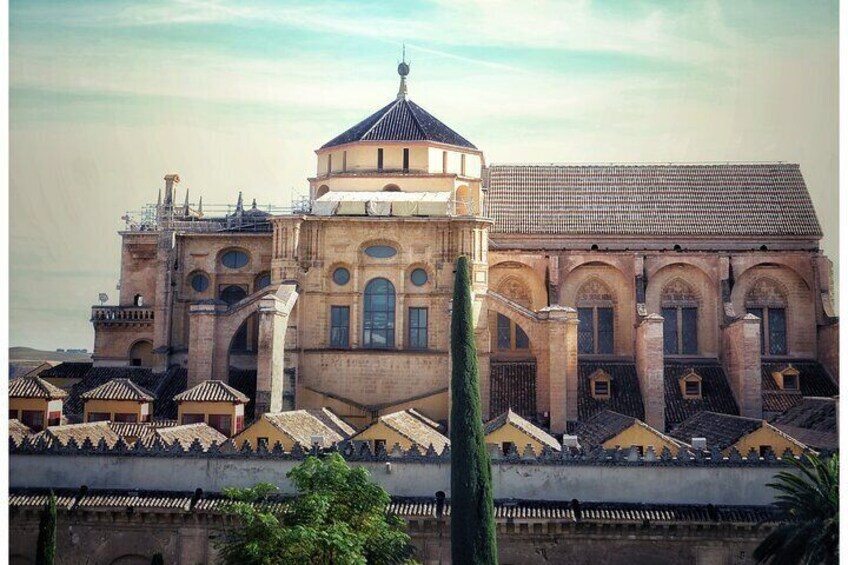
[809, 502]
[473, 537]
[45, 552]
[339, 517]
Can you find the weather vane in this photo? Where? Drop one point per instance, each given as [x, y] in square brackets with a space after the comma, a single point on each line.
[403, 71]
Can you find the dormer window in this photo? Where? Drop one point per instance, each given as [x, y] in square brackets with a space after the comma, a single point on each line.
[600, 382]
[690, 386]
[788, 379]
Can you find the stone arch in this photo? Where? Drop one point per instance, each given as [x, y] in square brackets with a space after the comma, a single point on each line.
[782, 286]
[140, 353]
[391, 187]
[465, 203]
[514, 277]
[686, 284]
[600, 284]
[515, 289]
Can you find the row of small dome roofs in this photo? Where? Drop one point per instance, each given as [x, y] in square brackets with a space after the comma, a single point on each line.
[408, 427]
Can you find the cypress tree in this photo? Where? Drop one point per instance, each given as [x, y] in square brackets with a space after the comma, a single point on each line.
[473, 539]
[45, 552]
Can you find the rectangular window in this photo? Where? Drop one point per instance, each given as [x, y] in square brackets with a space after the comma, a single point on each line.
[379, 445]
[605, 330]
[444, 161]
[506, 447]
[344, 161]
[262, 442]
[790, 382]
[758, 312]
[405, 159]
[692, 388]
[340, 326]
[764, 449]
[192, 419]
[418, 328]
[329, 163]
[34, 419]
[97, 416]
[777, 331]
[380, 159]
[128, 418]
[462, 166]
[504, 340]
[586, 330]
[602, 388]
[669, 330]
[690, 330]
[221, 422]
[13, 414]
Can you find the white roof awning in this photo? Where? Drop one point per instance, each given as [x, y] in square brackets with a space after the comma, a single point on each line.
[350, 203]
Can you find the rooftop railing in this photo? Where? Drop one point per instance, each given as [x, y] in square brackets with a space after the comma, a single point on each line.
[121, 314]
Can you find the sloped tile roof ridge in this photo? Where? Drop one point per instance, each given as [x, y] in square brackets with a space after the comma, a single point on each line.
[531, 429]
[34, 387]
[400, 120]
[212, 391]
[397, 421]
[118, 389]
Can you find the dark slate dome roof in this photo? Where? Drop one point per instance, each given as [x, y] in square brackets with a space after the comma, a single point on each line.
[401, 120]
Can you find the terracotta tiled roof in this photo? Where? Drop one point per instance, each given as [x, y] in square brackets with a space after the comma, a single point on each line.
[212, 391]
[162, 385]
[34, 387]
[716, 395]
[186, 434]
[720, 430]
[778, 401]
[674, 199]
[94, 431]
[414, 429]
[68, 370]
[119, 389]
[625, 394]
[814, 378]
[812, 413]
[329, 419]
[400, 120]
[302, 425]
[812, 438]
[18, 430]
[535, 432]
[589, 512]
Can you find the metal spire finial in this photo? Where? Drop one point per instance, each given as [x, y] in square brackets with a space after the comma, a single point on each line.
[403, 71]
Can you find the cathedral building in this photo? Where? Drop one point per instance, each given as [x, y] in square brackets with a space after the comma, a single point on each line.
[654, 291]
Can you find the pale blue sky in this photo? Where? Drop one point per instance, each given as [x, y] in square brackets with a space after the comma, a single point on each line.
[108, 97]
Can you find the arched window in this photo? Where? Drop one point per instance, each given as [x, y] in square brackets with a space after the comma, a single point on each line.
[391, 188]
[233, 294]
[322, 190]
[141, 354]
[510, 335]
[679, 305]
[262, 281]
[766, 301]
[596, 318]
[378, 324]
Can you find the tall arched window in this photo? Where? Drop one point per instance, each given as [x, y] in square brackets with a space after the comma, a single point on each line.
[679, 305]
[378, 324]
[766, 301]
[595, 314]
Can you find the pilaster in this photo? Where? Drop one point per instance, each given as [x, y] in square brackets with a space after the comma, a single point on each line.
[651, 369]
[743, 364]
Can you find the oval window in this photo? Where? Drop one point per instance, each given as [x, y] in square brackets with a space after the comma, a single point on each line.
[200, 282]
[380, 251]
[263, 281]
[234, 259]
[341, 276]
[418, 277]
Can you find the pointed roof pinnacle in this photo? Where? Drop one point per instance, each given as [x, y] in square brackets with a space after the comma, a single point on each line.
[403, 71]
[240, 203]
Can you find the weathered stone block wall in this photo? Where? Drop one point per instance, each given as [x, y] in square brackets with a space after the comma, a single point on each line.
[828, 341]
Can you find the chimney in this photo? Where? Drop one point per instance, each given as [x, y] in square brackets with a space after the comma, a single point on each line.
[699, 443]
[569, 442]
[170, 180]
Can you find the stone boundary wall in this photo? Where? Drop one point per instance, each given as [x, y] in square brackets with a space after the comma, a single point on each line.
[664, 482]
